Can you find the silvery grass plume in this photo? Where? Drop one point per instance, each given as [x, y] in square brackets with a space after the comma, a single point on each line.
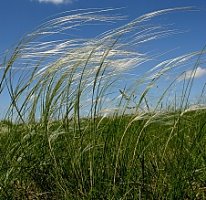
[51, 74]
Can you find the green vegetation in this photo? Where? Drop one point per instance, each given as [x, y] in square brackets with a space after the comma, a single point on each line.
[80, 126]
[112, 159]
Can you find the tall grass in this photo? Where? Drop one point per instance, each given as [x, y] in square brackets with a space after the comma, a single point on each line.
[81, 124]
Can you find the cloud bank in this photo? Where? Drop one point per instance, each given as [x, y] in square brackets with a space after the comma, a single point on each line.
[56, 2]
[199, 72]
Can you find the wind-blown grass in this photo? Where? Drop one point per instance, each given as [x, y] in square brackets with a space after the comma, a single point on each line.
[80, 124]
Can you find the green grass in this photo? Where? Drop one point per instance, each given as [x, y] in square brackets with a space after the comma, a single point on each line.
[149, 160]
[81, 126]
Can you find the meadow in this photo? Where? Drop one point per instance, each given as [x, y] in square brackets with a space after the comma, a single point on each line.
[81, 125]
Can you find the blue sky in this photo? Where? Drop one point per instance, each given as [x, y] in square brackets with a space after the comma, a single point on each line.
[19, 17]
[22, 16]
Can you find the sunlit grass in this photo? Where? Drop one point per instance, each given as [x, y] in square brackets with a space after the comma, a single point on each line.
[81, 125]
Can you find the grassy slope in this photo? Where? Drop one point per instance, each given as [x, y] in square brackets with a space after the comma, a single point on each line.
[153, 158]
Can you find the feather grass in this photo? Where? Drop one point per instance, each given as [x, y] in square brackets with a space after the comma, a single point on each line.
[81, 124]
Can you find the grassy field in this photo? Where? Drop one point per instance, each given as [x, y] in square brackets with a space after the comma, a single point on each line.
[157, 157]
[80, 125]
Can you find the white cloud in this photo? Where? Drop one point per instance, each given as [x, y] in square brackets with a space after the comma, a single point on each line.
[199, 72]
[56, 2]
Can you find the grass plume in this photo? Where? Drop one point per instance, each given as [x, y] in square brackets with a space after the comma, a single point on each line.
[81, 124]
